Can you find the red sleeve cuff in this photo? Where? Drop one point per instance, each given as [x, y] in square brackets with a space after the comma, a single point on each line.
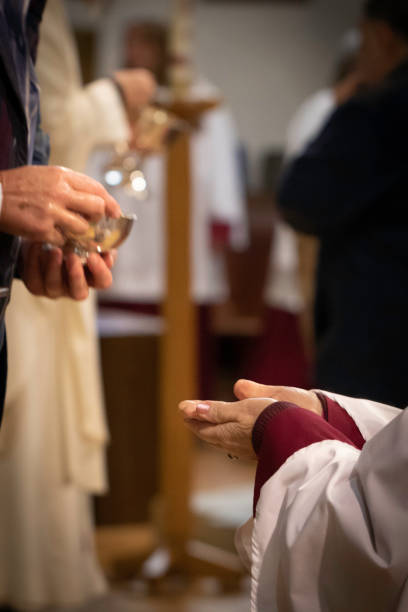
[220, 233]
[341, 420]
[281, 430]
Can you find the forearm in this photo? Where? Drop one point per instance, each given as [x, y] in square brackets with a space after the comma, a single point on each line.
[329, 507]
[338, 418]
[280, 431]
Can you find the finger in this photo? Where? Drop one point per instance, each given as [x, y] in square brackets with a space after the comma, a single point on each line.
[189, 410]
[33, 276]
[90, 206]
[99, 275]
[84, 183]
[75, 275]
[205, 431]
[244, 389]
[56, 238]
[110, 258]
[53, 274]
[112, 208]
[213, 412]
[69, 222]
[226, 437]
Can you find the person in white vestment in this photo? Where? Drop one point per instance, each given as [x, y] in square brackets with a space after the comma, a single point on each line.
[219, 217]
[53, 438]
[330, 525]
[139, 274]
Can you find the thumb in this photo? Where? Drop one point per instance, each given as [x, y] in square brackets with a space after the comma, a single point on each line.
[244, 389]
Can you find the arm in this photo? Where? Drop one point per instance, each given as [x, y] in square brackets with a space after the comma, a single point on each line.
[331, 526]
[282, 429]
[339, 175]
[355, 417]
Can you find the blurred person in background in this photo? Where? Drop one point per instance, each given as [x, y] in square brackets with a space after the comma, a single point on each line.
[219, 219]
[290, 284]
[349, 188]
[52, 444]
[306, 124]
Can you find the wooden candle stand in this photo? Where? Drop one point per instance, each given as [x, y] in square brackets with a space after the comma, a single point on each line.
[178, 372]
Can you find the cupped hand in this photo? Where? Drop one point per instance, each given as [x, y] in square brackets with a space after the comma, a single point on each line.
[244, 389]
[43, 203]
[46, 272]
[227, 425]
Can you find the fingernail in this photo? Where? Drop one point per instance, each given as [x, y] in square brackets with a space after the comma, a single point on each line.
[202, 407]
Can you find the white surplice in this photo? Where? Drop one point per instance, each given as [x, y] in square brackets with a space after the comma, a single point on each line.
[331, 527]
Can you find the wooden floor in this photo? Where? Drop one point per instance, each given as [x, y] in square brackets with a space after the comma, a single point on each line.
[215, 477]
[198, 598]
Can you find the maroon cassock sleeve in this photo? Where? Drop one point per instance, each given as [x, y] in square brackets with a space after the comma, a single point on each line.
[341, 420]
[220, 234]
[281, 430]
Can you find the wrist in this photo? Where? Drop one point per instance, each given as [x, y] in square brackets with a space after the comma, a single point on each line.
[261, 423]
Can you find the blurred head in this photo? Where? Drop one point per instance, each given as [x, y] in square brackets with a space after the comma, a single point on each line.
[146, 47]
[384, 30]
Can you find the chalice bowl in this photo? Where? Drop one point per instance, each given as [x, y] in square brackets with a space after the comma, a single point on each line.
[102, 236]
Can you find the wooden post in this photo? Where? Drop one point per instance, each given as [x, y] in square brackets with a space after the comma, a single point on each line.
[179, 370]
[178, 356]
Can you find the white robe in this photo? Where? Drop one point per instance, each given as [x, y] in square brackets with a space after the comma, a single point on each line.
[217, 195]
[53, 439]
[331, 526]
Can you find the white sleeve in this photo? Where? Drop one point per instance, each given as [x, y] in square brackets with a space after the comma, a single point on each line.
[331, 528]
[370, 417]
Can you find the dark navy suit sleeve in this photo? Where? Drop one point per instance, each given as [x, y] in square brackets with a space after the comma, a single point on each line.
[41, 148]
[336, 179]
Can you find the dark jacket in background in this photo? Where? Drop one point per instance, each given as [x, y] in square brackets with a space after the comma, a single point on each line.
[19, 119]
[350, 188]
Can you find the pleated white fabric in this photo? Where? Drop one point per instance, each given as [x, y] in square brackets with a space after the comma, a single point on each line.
[331, 526]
